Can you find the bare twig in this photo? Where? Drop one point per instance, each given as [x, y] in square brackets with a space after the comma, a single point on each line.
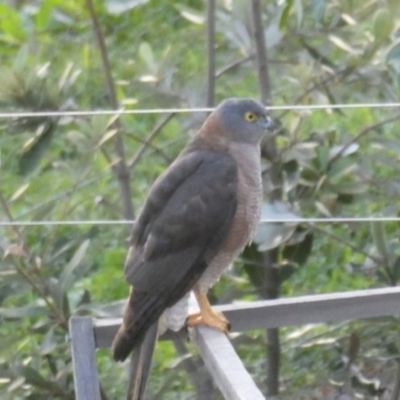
[233, 65]
[120, 168]
[66, 209]
[314, 86]
[7, 211]
[366, 130]
[151, 146]
[41, 293]
[59, 196]
[25, 275]
[210, 38]
[261, 52]
[271, 291]
[146, 143]
[376, 260]
[332, 235]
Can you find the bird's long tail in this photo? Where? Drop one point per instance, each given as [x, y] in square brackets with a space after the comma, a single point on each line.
[141, 312]
[141, 364]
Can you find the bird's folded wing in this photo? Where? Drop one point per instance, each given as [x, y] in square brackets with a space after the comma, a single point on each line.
[185, 220]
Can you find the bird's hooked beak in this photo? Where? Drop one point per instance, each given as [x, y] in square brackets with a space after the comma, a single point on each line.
[269, 124]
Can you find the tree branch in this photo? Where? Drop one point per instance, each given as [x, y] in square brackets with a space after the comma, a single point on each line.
[233, 65]
[25, 275]
[146, 143]
[261, 52]
[366, 130]
[270, 258]
[332, 235]
[120, 168]
[376, 260]
[210, 39]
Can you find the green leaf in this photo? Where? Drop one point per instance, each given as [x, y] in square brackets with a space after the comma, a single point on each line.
[107, 136]
[383, 25]
[16, 384]
[299, 12]
[283, 21]
[147, 55]
[396, 269]
[393, 57]
[353, 188]
[191, 14]
[380, 240]
[43, 16]
[371, 386]
[31, 157]
[117, 7]
[393, 6]
[43, 211]
[66, 278]
[49, 343]
[270, 236]
[323, 157]
[58, 295]
[19, 192]
[299, 253]
[253, 265]
[34, 378]
[23, 312]
[11, 22]
[286, 271]
[318, 9]
[341, 169]
[344, 150]
[278, 210]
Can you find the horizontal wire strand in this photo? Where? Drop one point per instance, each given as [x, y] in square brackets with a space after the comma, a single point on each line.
[263, 220]
[185, 110]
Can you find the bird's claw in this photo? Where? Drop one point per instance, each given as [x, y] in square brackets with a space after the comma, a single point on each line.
[215, 320]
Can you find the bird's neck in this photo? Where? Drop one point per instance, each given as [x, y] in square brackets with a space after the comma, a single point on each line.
[212, 135]
[247, 157]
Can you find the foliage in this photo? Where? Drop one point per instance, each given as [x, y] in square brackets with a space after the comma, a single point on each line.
[333, 162]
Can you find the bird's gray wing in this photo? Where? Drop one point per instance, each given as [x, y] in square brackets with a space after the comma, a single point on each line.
[184, 222]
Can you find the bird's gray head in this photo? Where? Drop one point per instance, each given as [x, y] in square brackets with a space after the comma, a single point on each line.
[245, 120]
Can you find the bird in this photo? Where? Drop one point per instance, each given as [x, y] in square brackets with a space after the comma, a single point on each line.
[198, 217]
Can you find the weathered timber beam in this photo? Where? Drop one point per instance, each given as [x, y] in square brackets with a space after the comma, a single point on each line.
[83, 348]
[224, 365]
[290, 311]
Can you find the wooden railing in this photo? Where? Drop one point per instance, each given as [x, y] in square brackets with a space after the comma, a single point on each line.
[220, 358]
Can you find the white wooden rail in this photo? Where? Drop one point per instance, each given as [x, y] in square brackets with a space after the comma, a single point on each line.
[214, 347]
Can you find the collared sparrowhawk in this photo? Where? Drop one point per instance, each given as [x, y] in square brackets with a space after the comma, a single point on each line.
[199, 215]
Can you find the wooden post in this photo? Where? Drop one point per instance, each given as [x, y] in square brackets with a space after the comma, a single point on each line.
[225, 366]
[83, 348]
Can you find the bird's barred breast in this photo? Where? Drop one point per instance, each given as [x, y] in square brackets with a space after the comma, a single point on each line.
[249, 195]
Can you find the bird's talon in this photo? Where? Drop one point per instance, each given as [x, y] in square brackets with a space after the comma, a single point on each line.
[215, 320]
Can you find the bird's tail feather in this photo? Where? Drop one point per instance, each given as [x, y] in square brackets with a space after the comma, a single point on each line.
[141, 364]
[141, 312]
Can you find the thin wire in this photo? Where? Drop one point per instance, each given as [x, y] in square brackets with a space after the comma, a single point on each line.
[263, 220]
[186, 110]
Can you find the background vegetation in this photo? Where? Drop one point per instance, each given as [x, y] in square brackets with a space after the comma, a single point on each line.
[163, 54]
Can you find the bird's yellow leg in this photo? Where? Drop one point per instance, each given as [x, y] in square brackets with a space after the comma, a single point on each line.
[206, 315]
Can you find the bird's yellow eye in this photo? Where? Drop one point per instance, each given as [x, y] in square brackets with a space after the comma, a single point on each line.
[251, 117]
